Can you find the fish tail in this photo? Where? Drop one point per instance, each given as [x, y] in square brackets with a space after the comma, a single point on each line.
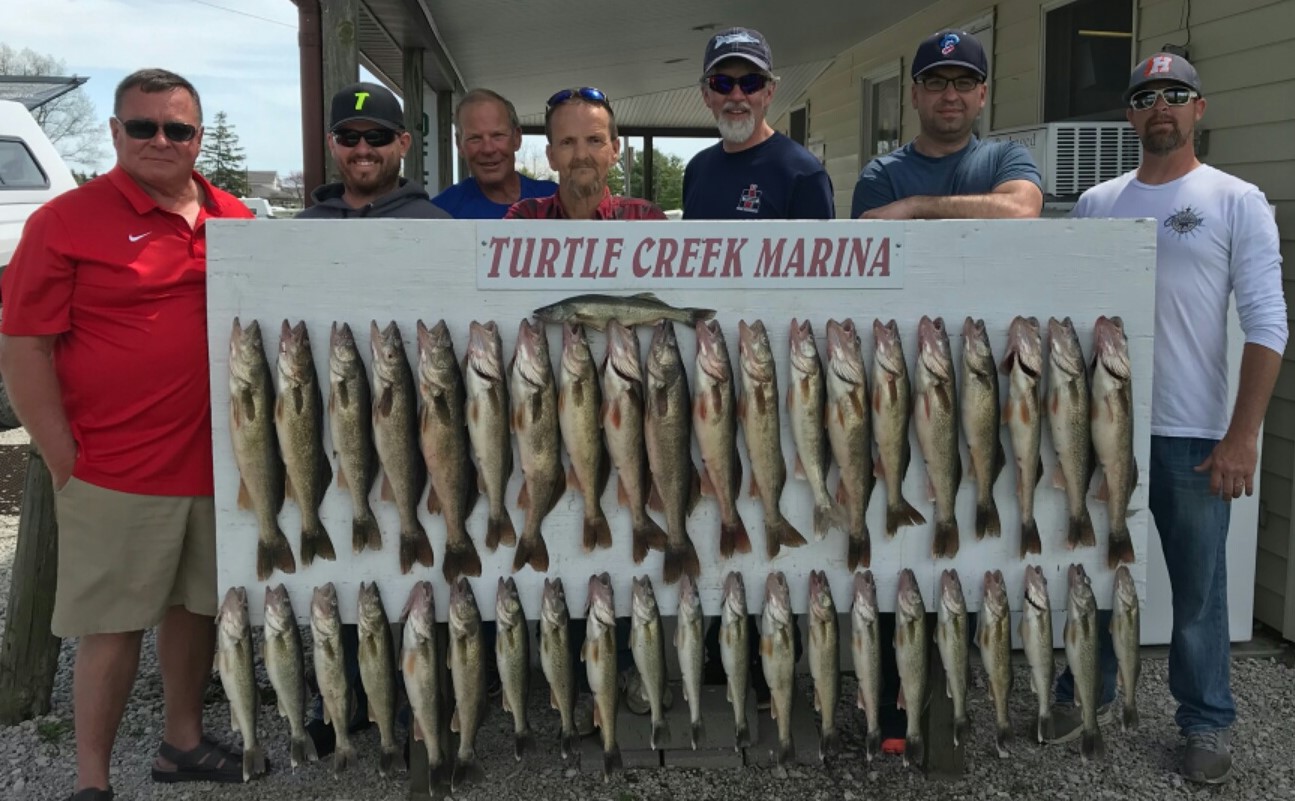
[1081, 531]
[461, 559]
[987, 520]
[315, 543]
[1004, 736]
[297, 751]
[1030, 542]
[696, 315]
[828, 744]
[1130, 720]
[466, 770]
[660, 734]
[945, 545]
[789, 536]
[914, 750]
[390, 761]
[859, 550]
[597, 534]
[1091, 745]
[1119, 549]
[253, 762]
[1046, 729]
[786, 753]
[733, 537]
[500, 531]
[612, 761]
[365, 534]
[872, 746]
[531, 551]
[698, 732]
[743, 739]
[647, 536]
[522, 742]
[902, 514]
[568, 743]
[415, 547]
[308, 749]
[961, 730]
[274, 555]
[342, 758]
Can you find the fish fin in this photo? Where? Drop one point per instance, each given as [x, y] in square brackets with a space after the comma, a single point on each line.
[461, 559]
[390, 761]
[1058, 478]
[1103, 489]
[524, 496]
[698, 732]
[275, 555]
[754, 490]
[415, 547]
[573, 480]
[597, 533]
[859, 551]
[708, 488]
[315, 543]
[799, 472]
[612, 761]
[988, 523]
[872, 746]
[648, 536]
[1046, 729]
[1130, 718]
[1001, 739]
[1081, 532]
[289, 491]
[961, 731]
[660, 734]
[680, 559]
[1091, 745]
[1030, 542]
[733, 537]
[388, 494]
[829, 744]
[253, 762]
[786, 753]
[1119, 549]
[532, 551]
[433, 499]
[655, 503]
[454, 722]
[900, 703]
[500, 531]
[742, 735]
[244, 498]
[523, 741]
[945, 544]
[647, 296]
[342, 759]
[622, 495]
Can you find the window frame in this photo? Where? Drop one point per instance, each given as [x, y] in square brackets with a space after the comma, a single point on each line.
[867, 136]
[31, 158]
[1047, 8]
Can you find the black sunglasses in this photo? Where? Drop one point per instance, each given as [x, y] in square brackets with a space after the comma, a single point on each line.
[587, 92]
[1173, 95]
[750, 83]
[147, 129]
[376, 137]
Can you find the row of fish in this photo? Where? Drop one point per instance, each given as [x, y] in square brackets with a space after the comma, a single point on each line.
[421, 656]
[641, 418]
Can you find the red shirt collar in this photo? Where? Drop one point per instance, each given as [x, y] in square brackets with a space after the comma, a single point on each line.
[605, 209]
[144, 203]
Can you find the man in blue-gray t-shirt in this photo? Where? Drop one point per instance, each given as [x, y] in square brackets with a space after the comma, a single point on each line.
[489, 136]
[947, 172]
[753, 172]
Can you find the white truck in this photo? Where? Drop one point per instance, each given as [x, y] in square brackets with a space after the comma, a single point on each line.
[31, 172]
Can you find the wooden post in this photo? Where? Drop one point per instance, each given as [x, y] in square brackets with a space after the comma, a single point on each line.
[29, 652]
[413, 85]
[444, 134]
[339, 23]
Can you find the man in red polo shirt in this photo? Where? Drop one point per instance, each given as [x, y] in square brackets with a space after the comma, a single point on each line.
[104, 353]
[583, 146]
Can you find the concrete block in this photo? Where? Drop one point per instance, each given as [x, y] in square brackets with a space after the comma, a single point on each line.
[804, 734]
[716, 748]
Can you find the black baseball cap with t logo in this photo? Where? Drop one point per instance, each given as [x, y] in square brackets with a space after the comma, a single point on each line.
[369, 102]
[951, 49]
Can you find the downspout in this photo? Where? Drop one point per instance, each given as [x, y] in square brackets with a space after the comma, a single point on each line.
[312, 96]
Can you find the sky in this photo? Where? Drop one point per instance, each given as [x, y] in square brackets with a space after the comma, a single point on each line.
[241, 55]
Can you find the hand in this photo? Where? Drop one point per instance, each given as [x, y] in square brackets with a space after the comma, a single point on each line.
[898, 210]
[1231, 466]
[60, 466]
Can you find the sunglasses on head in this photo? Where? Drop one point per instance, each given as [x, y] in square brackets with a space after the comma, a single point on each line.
[376, 137]
[750, 83]
[1173, 95]
[587, 92]
[147, 129]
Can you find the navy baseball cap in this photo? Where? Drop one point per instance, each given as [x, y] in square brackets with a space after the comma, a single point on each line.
[370, 102]
[951, 49]
[1163, 67]
[743, 43]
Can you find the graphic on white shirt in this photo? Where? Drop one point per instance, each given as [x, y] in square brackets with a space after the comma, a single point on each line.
[1184, 222]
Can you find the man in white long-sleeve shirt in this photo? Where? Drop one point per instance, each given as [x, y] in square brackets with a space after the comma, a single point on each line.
[1217, 238]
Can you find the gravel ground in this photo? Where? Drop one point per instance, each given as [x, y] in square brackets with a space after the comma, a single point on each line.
[37, 759]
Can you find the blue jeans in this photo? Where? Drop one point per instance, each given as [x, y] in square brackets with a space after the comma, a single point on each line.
[1193, 528]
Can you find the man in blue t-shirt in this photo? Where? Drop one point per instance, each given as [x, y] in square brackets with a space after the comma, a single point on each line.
[489, 136]
[753, 172]
[947, 172]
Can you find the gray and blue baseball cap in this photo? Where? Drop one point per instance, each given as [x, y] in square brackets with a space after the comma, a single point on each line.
[1163, 67]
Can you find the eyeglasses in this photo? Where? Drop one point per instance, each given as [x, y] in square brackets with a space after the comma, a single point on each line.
[376, 137]
[750, 83]
[937, 83]
[147, 129]
[586, 92]
[1173, 95]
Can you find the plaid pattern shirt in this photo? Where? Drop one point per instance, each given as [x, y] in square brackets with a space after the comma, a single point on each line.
[611, 207]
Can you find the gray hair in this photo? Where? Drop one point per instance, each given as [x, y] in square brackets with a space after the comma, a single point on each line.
[485, 96]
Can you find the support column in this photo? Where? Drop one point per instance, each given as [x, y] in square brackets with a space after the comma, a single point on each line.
[649, 184]
[339, 23]
[444, 141]
[415, 120]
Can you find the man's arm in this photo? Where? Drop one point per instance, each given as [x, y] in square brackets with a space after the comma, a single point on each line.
[812, 198]
[27, 364]
[1010, 200]
[872, 191]
[1232, 463]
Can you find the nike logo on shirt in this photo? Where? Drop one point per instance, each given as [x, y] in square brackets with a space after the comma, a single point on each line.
[137, 237]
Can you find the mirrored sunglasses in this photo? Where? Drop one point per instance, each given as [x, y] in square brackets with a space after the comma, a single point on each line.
[1173, 95]
[587, 92]
[376, 137]
[750, 83]
[147, 129]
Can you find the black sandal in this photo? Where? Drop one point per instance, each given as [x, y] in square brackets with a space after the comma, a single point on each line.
[209, 761]
[92, 794]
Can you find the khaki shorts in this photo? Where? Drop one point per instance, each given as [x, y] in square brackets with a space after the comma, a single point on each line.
[124, 559]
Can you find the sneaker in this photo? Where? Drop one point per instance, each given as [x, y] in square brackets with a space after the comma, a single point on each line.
[1068, 721]
[1208, 759]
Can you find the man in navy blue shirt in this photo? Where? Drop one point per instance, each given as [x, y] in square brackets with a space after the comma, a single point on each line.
[489, 136]
[753, 172]
[947, 172]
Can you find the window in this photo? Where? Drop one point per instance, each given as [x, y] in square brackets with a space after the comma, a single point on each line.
[798, 124]
[18, 169]
[1088, 51]
[881, 110]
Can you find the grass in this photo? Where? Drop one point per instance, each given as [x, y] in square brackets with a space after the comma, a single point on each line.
[53, 731]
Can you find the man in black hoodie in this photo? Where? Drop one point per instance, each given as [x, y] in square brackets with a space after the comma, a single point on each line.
[368, 139]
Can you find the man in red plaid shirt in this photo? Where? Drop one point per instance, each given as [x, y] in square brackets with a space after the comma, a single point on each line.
[583, 146]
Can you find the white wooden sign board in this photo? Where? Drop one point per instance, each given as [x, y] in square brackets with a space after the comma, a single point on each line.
[409, 270]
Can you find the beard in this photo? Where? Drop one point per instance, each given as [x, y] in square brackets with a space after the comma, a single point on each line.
[1162, 142]
[381, 178]
[580, 186]
[736, 132]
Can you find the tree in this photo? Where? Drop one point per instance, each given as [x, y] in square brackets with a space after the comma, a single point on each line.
[70, 121]
[667, 179]
[222, 160]
[533, 163]
[294, 183]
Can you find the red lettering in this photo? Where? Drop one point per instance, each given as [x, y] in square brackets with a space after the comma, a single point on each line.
[690, 246]
[497, 244]
[520, 268]
[711, 253]
[549, 249]
[572, 245]
[733, 258]
[818, 262]
[859, 255]
[881, 264]
[796, 260]
[641, 269]
[666, 251]
[589, 271]
[613, 252]
[840, 254]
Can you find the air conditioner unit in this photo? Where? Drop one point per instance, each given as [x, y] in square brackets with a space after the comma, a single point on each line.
[1075, 156]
